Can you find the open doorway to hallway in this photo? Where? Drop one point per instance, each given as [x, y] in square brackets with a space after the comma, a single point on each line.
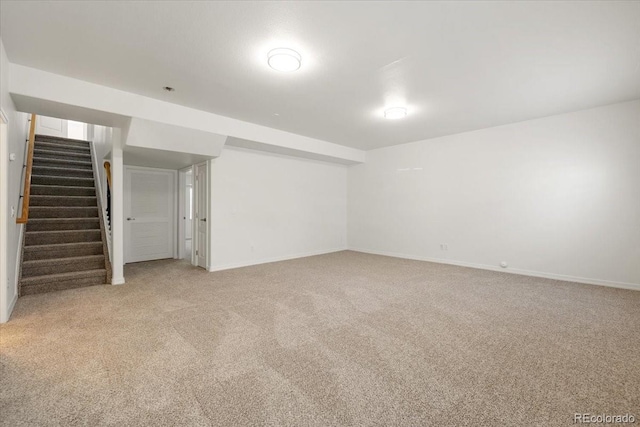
[185, 214]
[188, 219]
[192, 214]
[200, 209]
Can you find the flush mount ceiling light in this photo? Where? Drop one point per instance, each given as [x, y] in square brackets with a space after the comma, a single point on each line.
[395, 113]
[283, 59]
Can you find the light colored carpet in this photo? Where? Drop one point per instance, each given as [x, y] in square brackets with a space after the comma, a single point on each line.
[339, 339]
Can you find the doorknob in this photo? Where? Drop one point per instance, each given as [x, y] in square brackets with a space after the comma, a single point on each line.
[131, 219]
[204, 219]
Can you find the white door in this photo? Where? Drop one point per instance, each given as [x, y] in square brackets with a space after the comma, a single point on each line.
[201, 214]
[149, 213]
[51, 126]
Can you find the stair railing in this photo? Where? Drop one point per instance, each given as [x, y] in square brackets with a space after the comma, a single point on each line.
[107, 169]
[24, 214]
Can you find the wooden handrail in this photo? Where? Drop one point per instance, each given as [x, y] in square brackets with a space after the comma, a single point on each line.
[24, 215]
[107, 167]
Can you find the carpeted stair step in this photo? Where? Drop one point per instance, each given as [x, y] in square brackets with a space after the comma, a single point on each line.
[52, 224]
[37, 200]
[62, 163]
[61, 190]
[74, 181]
[62, 281]
[63, 212]
[63, 250]
[53, 154]
[66, 143]
[62, 171]
[56, 146]
[61, 236]
[43, 267]
[62, 140]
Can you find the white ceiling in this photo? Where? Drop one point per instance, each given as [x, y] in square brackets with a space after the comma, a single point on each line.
[458, 66]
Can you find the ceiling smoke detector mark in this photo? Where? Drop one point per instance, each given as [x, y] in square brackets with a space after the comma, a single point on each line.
[169, 89]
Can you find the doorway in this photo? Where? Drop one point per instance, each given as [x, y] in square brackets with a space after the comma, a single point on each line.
[201, 210]
[185, 214]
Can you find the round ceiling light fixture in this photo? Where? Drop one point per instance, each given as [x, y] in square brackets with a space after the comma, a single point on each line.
[283, 59]
[395, 113]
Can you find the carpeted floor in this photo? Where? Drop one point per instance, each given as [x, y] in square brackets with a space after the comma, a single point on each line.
[332, 340]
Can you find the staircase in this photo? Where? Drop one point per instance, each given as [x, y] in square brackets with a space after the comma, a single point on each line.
[64, 240]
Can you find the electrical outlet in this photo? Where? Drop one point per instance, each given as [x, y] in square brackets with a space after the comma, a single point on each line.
[444, 247]
[13, 211]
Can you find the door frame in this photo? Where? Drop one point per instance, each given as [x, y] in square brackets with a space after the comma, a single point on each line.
[5, 311]
[174, 208]
[195, 243]
[182, 212]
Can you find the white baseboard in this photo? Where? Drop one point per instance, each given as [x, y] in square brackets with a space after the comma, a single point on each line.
[566, 278]
[117, 280]
[273, 259]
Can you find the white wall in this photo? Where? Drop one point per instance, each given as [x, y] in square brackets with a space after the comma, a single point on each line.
[268, 207]
[162, 136]
[558, 196]
[101, 138]
[160, 145]
[118, 136]
[17, 133]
